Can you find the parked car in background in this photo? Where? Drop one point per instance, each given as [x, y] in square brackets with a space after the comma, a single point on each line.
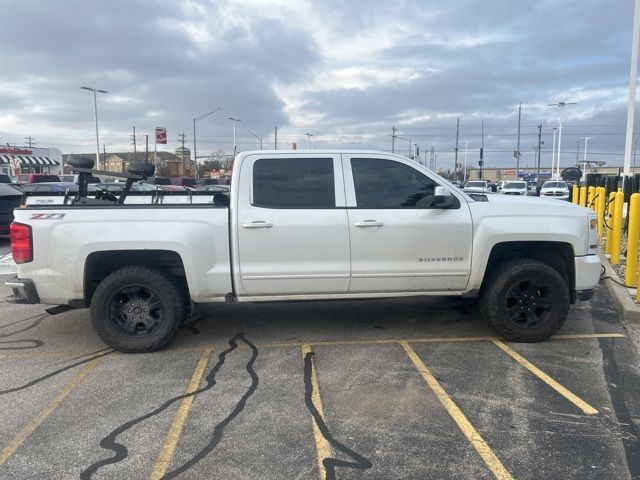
[555, 189]
[214, 188]
[52, 187]
[10, 198]
[117, 187]
[184, 182]
[515, 187]
[24, 178]
[74, 179]
[207, 181]
[476, 186]
[4, 178]
[159, 181]
[173, 188]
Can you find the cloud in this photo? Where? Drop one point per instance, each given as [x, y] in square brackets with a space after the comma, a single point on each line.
[346, 70]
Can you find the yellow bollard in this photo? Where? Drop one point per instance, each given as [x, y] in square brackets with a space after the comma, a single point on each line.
[583, 196]
[601, 202]
[612, 197]
[616, 234]
[591, 193]
[633, 236]
[575, 194]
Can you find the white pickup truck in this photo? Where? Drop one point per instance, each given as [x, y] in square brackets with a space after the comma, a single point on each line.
[307, 225]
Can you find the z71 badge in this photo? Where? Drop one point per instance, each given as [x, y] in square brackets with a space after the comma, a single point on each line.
[47, 216]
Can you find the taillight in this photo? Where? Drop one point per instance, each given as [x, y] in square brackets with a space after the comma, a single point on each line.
[21, 242]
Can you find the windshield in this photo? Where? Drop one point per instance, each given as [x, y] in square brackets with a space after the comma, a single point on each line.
[475, 184]
[554, 185]
[515, 185]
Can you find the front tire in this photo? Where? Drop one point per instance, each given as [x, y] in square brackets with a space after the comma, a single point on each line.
[525, 300]
[138, 309]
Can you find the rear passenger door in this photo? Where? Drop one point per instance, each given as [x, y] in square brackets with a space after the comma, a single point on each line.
[291, 227]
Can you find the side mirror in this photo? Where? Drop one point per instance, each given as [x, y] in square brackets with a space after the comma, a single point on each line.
[443, 198]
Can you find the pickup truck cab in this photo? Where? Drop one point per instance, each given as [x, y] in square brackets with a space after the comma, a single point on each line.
[307, 225]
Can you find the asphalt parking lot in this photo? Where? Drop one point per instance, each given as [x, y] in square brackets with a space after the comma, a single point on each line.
[414, 388]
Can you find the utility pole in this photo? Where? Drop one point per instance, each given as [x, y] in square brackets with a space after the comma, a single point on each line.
[482, 154]
[146, 148]
[275, 139]
[30, 141]
[182, 140]
[393, 138]
[133, 140]
[539, 152]
[517, 152]
[455, 164]
[104, 156]
[432, 162]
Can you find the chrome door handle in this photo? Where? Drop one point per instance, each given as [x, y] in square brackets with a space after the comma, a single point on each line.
[257, 224]
[369, 223]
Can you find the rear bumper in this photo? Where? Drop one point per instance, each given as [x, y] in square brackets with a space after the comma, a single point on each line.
[588, 270]
[24, 291]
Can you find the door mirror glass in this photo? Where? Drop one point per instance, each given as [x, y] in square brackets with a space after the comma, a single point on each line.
[443, 198]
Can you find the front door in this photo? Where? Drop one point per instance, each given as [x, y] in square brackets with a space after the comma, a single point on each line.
[399, 241]
[292, 230]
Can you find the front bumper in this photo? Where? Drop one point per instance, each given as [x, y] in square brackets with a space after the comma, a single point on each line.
[24, 291]
[588, 271]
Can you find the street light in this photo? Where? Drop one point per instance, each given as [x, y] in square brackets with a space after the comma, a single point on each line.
[257, 138]
[561, 105]
[95, 116]
[309, 135]
[195, 145]
[555, 175]
[464, 173]
[584, 160]
[235, 121]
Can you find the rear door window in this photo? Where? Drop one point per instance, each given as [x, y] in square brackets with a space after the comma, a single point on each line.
[294, 183]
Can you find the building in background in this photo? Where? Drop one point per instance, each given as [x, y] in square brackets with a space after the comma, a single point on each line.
[167, 164]
[15, 160]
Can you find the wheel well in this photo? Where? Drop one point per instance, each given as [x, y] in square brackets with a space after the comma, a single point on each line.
[558, 255]
[101, 264]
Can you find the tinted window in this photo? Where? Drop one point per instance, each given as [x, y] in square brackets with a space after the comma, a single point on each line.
[29, 188]
[46, 178]
[387, 184]
[45, 188]
[294, 183]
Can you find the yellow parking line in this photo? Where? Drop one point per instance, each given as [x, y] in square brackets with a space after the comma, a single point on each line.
[578, 402]
[323, 448]
[490, 459]
[578, 336]
[19, 439]
[173, 436]
[374, 341]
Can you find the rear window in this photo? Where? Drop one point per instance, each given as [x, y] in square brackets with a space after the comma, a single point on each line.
[160, 181]
[189, 182]
[44, 178]
[294, 183]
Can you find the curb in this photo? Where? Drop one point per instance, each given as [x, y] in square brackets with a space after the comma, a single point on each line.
[628, 310]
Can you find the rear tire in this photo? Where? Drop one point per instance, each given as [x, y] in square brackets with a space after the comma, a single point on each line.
[138, 309]
[525, 300]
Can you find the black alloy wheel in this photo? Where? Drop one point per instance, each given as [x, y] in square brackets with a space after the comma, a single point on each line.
[135, 311]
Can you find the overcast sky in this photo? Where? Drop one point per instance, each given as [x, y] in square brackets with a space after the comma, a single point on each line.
[346, 71]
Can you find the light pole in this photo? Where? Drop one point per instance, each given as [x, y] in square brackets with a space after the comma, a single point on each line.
[309, 135]
[464, 173]
[633, 79]
[584, 159]
[95, 116]
[554, 175]
[561, 105]
[635, 146]
[195, 145]
[235, 121]
[257, 138]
